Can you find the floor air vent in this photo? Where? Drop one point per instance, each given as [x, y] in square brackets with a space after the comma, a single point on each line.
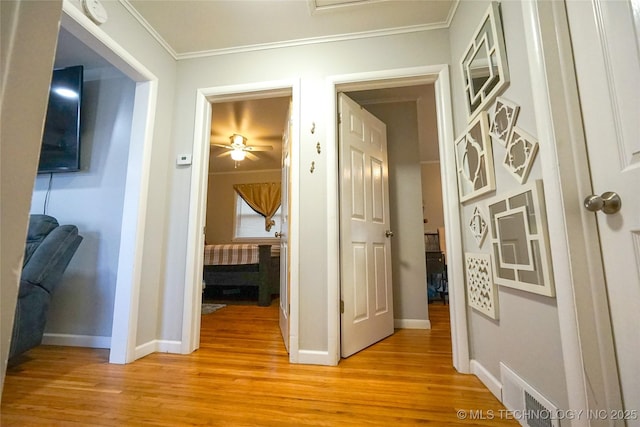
[537, 414]
[529, 407]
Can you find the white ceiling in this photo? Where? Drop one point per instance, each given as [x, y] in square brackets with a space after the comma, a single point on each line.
[187, 27]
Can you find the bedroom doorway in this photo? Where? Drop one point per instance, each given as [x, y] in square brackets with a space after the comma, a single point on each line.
[252, 112]
[259, 124]
[379, 84]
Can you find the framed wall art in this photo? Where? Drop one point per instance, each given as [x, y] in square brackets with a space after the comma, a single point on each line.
[504, 118]
[520, 242]
[521, 152]
[482, 294]
[478, 225]
[484, 63]
[474, 159]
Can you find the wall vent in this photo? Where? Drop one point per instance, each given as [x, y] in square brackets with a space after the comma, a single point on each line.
[529, 407]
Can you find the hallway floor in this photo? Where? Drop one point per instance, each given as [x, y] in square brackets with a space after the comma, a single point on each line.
[240, 376]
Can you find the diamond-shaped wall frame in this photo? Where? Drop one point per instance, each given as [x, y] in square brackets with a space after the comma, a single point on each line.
[504, 118]
[478, 225]
[521, 152]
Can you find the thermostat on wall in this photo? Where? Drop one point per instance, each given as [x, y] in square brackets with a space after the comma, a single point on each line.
[183, 159]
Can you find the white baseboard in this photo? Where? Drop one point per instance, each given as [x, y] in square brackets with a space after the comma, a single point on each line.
[158, 346]
[491, 382]
[313, 357]
[90, 341]
[412, 324]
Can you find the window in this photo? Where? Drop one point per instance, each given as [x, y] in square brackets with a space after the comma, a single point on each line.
[250, 225]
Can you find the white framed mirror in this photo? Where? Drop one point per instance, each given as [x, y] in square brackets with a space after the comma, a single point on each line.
[519, 240]
[484, 63]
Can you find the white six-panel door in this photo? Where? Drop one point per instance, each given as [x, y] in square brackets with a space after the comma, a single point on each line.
[606, 43]
[365, 247]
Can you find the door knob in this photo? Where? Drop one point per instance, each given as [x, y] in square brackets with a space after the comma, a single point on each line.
[388, 233]
[278, 234]
[609, 203]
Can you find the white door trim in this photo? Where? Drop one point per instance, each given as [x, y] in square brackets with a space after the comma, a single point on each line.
[125, 323]
[439, 75]
[585, 328]
[198, 200]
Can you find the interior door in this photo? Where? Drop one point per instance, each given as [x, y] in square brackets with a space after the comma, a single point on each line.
[606, 42]
[284, 232]
[365, 247]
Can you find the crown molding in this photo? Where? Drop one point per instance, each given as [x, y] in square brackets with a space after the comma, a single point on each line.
[313, 40]
[290, 43]
[145, 24]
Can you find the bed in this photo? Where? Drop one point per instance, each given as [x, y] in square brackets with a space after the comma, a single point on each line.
[236, 265]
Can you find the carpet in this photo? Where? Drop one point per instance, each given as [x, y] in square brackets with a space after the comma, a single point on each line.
[210, 308]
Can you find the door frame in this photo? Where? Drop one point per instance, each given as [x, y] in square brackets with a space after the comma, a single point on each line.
[190, 340]
[439, 76]
[585, 327]
[125, 325]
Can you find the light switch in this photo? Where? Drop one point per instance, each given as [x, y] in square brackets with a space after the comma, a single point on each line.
[183, 160]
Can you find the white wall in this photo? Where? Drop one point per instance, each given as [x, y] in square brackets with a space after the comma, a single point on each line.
[432, 196]
[405, 203]
[28, 33]
[312, 64]
[131, 36]
[527, 336]
[92, 199]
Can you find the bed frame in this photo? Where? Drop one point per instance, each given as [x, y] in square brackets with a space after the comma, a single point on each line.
[265, 275]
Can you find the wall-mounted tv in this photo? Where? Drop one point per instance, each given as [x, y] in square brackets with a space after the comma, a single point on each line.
[60, 150]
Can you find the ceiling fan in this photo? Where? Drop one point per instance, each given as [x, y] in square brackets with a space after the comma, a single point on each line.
[238, 148]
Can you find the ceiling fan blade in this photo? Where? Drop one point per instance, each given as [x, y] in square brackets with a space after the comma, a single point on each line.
[251, 156]
[226, 153]
[270, 138]
[258, 148]
[227, 146]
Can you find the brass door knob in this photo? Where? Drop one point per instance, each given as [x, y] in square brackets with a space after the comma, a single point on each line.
[388, 233]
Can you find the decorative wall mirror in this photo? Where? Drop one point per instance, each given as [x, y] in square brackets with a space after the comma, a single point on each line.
[474, 159]
[484, 64]
[519, 241]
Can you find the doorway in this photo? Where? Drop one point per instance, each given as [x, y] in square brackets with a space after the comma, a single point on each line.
[438, 76]
[259, 125]
[234, 96]
[103, 49]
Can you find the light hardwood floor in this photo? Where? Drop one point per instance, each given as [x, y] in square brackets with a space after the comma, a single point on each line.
[241, 377]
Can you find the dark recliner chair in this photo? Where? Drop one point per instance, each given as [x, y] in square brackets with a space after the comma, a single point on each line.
[49, 249]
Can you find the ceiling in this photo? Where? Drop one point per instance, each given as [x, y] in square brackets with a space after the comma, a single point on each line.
[217, 26]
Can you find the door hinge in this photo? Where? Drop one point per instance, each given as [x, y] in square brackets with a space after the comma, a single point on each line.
[339, 118]
[341, 306]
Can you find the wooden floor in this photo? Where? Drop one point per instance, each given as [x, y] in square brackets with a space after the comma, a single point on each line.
[241, 377]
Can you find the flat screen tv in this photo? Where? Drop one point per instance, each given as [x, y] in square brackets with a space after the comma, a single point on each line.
[60, 150]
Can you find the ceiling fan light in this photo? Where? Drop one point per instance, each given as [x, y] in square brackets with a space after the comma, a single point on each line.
[237, 139]
[237, 155]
